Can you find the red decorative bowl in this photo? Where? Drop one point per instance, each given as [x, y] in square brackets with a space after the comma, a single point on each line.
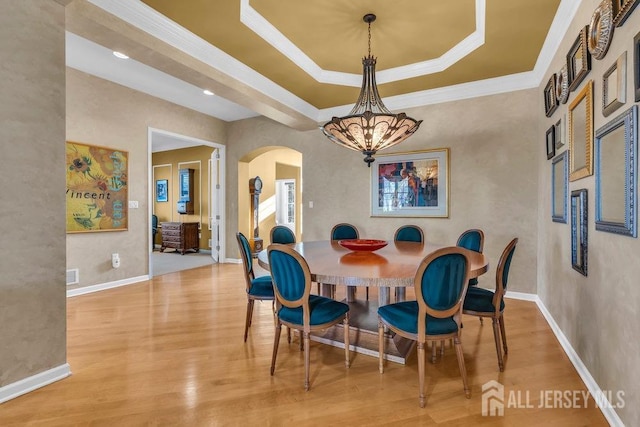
[367, 245]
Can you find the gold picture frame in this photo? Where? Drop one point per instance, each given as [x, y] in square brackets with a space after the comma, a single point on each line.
[622, 10]
[580, 133]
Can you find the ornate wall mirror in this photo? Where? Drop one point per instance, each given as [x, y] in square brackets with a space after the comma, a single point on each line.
[559, 187]
[581, 134]
[579, 230]
[616, 149]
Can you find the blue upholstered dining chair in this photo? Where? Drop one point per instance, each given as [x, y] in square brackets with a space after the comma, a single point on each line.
[409, 233]
[297, 308]
[440, 284]
[282, 234]
[344, 231]
[258, 288]
[474, 241]
[485, 303]
[154, 231]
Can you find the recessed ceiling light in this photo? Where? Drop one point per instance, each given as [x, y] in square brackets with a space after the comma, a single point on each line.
[207, 92]
[120, 55]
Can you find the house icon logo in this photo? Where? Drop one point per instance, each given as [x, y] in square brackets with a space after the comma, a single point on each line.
[492, 399]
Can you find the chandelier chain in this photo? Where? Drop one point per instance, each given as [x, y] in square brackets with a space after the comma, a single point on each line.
[369, 40]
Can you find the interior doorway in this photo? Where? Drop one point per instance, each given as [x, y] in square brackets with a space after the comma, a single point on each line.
[207, 158]
[280, 201]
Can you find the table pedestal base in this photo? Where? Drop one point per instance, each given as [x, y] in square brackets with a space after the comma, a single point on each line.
[363, 334]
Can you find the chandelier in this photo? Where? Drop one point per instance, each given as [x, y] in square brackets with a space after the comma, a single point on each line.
[370, 126]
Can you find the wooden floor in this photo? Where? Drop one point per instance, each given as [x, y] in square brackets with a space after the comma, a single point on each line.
[170, 352]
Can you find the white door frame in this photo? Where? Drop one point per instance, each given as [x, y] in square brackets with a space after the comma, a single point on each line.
[281, 203]
[221, 191]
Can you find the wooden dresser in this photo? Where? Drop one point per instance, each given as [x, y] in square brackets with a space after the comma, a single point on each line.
[181, 236]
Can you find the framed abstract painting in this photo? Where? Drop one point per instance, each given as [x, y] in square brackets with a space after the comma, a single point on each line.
[414, 184]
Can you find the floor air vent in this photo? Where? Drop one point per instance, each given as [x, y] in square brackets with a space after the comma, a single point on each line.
[73, 276]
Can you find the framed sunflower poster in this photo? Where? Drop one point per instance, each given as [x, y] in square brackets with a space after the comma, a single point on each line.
[97, 192]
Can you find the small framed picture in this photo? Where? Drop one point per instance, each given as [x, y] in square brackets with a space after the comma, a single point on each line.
[162, 191]
[559, 133]
[636, 66]
[550, 142]
[578, 60]
[550, 100]
[614, 86]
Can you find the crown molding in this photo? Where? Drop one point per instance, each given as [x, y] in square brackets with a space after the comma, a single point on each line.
[147, 19]
[458, 92]
[558, 30]
[152, 22]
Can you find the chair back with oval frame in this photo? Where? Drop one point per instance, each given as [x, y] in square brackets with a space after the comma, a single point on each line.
[281, 234]
[409, 233]
[344, 231]
[297, 308]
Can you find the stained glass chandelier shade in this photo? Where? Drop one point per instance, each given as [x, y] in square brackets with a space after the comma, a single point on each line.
[370, 126]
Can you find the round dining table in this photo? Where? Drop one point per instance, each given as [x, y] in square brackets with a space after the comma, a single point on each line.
[393, 266]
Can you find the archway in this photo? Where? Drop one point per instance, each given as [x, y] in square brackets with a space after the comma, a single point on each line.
[272, 164]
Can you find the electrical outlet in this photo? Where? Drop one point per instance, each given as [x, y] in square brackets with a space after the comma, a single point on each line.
[115, 260]
[133, 204]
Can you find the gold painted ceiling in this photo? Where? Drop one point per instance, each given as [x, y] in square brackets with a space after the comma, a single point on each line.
[300, 61]
[333, 35]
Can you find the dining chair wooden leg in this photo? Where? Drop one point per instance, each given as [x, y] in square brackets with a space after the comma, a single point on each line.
[463, 370]
[276, 342]
[306, 360]
[247, 321]
[441, 347]
[380, 346]
[503, 334]
[421, 373]
[301, 341]
[434, 345]
[496, 337]
[345, 326]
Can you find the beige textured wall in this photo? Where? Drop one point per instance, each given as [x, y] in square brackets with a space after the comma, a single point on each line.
[493, 180]
[32, 279]
[104, 113]
[598, 314]
[196, 158]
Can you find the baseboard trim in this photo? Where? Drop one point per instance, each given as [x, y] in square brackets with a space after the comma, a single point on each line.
[232, 261]
[522, 296]
[34, 382]
[609, 413]
[104, 286]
